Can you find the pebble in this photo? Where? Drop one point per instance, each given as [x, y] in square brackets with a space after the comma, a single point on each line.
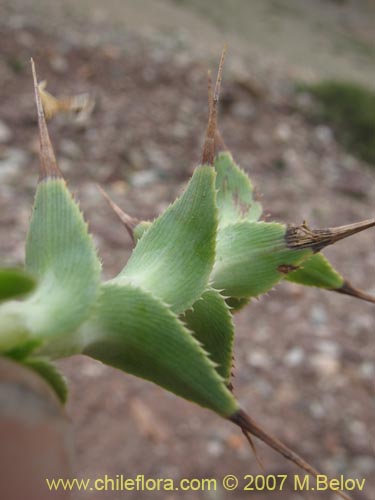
[244, 110]
[144, 178]
[70, 148]
[357, 427]
[158, 159]
[366, 370]
[182, 59]
[324, 135]
[305, 101]
[92, 369]
[136, 159]
[12, 161]
[291, 158]
[90, 194]
[283, 132]
[286, 394]
[5, 133]
[26, 39]
[295, 356]
[215, 448]
[325, 365]
[328, 347]
[258, 358]
[365, 464]
[180, 131]
[317, 410]
[66, 165]
[149, 74]
[59, 64]
[318, 315]
[264, 388]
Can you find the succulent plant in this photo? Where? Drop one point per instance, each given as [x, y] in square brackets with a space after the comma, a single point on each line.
[167, 317]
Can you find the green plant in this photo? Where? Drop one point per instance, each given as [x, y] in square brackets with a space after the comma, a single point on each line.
[350, 109]
[167, 316]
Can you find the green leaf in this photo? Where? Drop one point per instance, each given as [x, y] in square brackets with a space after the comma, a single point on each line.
[61, 255]
[137, 333]
[50, 374]
[317, 271]
[174, 257]
[60, 252]
[210, 320]
[15, 283]
[251, 256]
[235, 197]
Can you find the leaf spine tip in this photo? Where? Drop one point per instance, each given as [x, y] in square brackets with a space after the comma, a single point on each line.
[208, 154]
[250, 427]
[348, 289]
[253, 447]
[129, 222]
[48, 164]
[302, 237]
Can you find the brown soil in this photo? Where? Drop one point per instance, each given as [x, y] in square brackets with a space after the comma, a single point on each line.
[303, 357]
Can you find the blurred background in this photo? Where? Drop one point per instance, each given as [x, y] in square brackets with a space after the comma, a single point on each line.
[297, 110]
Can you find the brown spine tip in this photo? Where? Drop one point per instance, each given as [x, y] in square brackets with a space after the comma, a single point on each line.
[208, 154]
[129, 222]
[219, 144]
[209, 90]
[348, 289]
[48, 164]
[250, 427]
[254, 450]
[302, 237]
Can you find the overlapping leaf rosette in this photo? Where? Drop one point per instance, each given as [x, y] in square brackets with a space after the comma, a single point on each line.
[167, 317]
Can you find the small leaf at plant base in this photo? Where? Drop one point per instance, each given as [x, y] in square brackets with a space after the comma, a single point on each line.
[211, 322]
[50, 374]
[175, 256]
[248, 256]
[235, 198]
[135, 332]
[15, 283]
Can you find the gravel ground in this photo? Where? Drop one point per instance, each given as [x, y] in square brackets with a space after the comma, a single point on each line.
[304, 358]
